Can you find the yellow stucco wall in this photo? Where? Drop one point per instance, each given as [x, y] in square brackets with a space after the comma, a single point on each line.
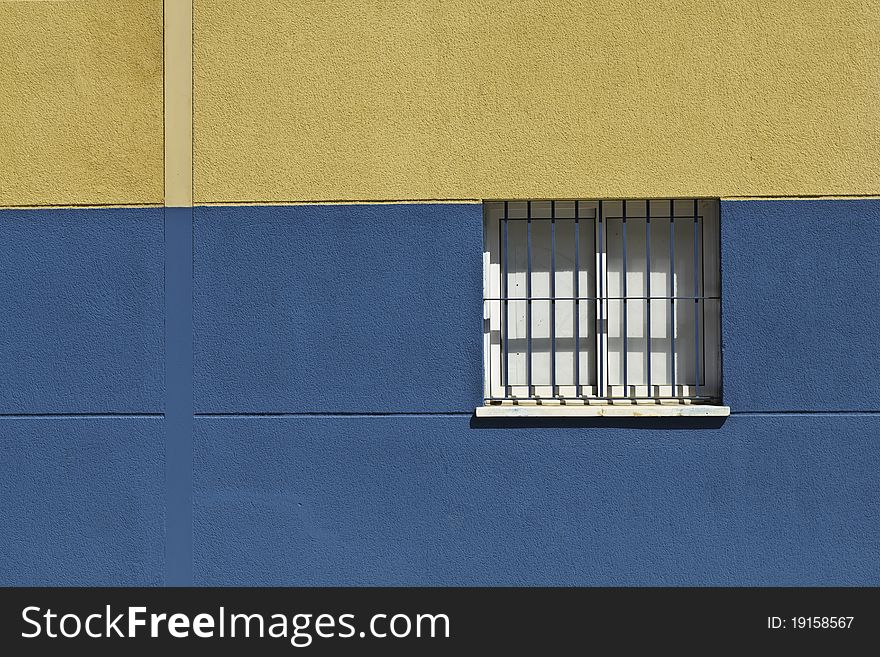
[409, 99]
[81, 102]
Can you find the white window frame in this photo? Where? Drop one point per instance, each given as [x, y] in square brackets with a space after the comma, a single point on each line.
[596, 396]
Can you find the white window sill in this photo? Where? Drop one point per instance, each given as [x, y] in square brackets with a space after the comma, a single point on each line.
[603, 410]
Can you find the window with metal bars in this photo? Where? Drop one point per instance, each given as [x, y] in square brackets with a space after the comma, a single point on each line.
[602, 301]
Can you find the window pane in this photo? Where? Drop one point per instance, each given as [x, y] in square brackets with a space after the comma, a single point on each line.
[652, 268]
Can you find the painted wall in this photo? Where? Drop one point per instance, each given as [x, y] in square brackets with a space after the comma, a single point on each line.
[82, 391]
[335, 442]
[799, 320]
[82, 497]
[336, 348]
[81, 102]
[82, 501]
[478, 99]
[336, 369]
[338, 308]
[403, 500]
[81, 322]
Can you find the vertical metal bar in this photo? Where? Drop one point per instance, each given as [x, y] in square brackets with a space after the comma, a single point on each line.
[603, 262]
[552, 298]
[648, 287]
[505, 275]
[696, 303]
[529, 296]
[623, 277]
[703, 292]
[672, 289]
[488, 294]
[603, 324]
[577, 303]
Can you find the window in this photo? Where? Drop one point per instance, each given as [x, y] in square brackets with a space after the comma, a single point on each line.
[602, 302]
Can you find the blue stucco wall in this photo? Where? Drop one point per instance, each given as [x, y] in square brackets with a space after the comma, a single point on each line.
[81, 397]
[81, 501]
[434, 500]
[800, 317]
[81, 311]
[353, 308]
[783, 492]
[336, 366]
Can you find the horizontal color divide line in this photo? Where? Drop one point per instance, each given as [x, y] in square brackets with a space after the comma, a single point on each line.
[460, 201]
[803, 197]
[412, 201]
[79, 416]
[642, 197]
[82, 206]
[587, 198]
[423, 201]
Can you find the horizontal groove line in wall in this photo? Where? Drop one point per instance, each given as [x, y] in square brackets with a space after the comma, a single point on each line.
[773, 413]
[71, 416]
[334, 414]
[51, 416]
[470, 414]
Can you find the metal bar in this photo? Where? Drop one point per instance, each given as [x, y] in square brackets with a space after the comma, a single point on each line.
[488, 286]
[631, 297]
[598, 295]
[529, 302]
[624, 269]
[690, 215]
[594, 250]
[672, 290]
[703, 290]
[648, 286]
[577, 303]
[602, 346]
[609, 217]
[597, 329]
[604, 264]
[505, 364]
[552, 298]
[696, 302]
[614, 398]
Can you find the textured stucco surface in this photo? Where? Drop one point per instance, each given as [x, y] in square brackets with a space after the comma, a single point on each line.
[81, 102]
[800, 318]
[432, 500]
[338, 308]
[81, 304]
[487, 98]
[357, 487]
[376, 308]
[338, 351]
[81, 501]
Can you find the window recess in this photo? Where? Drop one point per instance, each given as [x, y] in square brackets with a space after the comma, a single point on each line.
[602, 302]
